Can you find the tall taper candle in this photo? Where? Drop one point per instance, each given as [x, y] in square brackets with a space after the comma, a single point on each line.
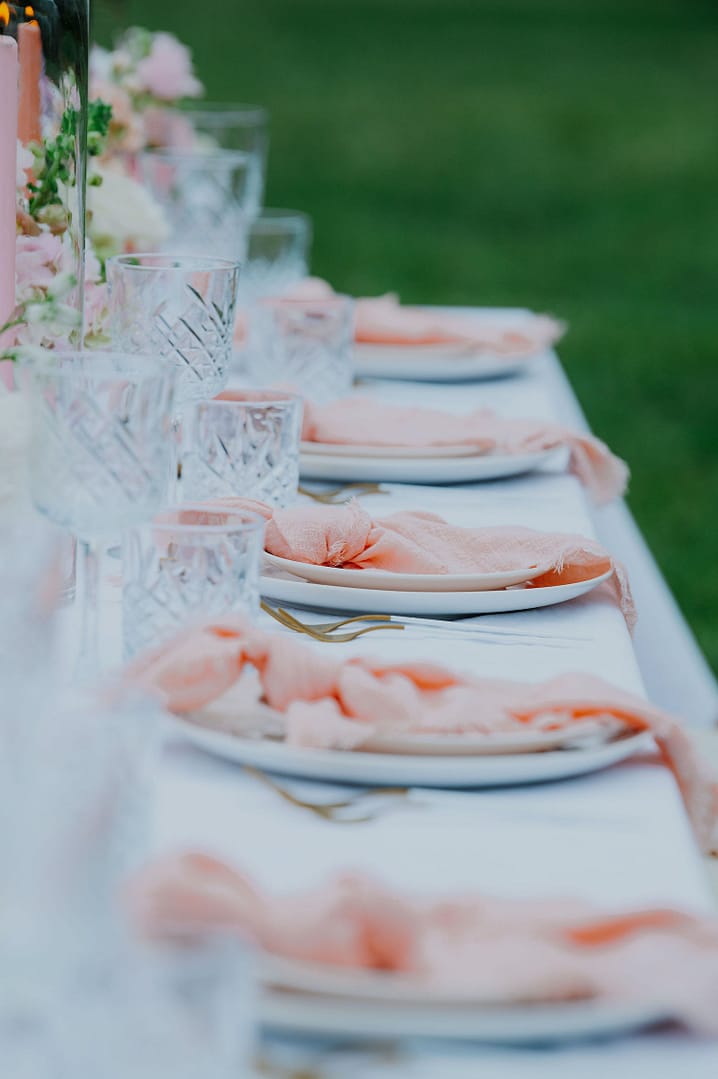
[8, 173]
[29, 44]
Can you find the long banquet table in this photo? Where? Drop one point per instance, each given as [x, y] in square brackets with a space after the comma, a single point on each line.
[618, 837]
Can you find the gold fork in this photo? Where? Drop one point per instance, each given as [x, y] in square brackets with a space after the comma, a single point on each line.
[332, 811]
[336, 495]
[324, 631]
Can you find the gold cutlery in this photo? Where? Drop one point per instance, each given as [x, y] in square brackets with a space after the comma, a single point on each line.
[344, 811]
[338, 495]
[325, 631]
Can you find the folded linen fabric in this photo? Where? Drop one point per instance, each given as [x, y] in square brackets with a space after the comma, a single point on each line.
[414, 542]
[383, 320]
[340, 704]
[362, 420]
[485, 949]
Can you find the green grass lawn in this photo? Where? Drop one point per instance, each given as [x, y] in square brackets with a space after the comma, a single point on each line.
[558, 154]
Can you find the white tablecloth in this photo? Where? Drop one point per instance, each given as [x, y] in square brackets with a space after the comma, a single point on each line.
[618, 837]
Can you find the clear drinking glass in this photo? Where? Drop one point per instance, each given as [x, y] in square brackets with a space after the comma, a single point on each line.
[306, 345]
[235, 127]
[207, 197]
[192, 560]
[244, 443]
[181, 307]
[99, 452]
[180, 1008]
[277, 253]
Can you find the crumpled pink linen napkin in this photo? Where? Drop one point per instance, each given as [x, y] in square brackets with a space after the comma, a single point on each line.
[487, 949]
[340, 704]
[383, 320]
[360, 420]
[414, 542]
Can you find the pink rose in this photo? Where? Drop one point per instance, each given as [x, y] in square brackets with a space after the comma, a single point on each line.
[167, 127]
[167, 72]
[37, 260]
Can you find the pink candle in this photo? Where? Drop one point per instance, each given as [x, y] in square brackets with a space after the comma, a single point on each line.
[8, 167]
[29, 43]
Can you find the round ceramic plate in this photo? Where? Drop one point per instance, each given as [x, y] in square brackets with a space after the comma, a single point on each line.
[329, 597]
[394, 468]
[412, 770]
[433, 363]
[334, 449]
[340, 1016]
[402, 582]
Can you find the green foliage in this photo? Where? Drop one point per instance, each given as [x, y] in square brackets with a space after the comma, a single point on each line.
[54, 160]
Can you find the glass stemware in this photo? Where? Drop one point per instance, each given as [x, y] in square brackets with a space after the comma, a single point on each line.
[191, 560]
[234, 127]
[277, 253]
[207, 197]
[99, 451]
[306, 345]
[181, 307]
[244, 443]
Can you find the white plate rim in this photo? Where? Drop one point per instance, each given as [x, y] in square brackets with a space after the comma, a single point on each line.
[301, 593]
[438, 771]
[343, 577]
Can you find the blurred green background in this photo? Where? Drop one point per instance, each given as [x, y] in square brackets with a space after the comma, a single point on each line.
[557, 154]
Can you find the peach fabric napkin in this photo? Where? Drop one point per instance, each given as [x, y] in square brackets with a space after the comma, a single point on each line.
[360, 420]
[487, 949]
[383, 320]
[425, 543]
[340, 704]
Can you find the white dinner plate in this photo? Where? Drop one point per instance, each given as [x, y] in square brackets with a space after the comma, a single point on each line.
[402, 582]
[343, 449]
[312, 1015]
[392, 467]
[412, 770]
[330, 597]
[434, 363]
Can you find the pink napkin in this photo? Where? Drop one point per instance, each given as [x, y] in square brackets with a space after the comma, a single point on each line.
[382, 320]
[360, 420]
[425, 543]
[485, 948]
[340, 704]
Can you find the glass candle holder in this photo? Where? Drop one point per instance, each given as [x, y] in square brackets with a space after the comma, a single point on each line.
[305, 345]
[181, 307]
[192, 560]
[244, 443]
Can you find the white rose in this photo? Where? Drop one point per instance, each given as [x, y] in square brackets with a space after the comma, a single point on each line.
[123, 215]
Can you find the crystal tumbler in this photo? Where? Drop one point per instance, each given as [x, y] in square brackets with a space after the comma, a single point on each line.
[305, 345]
[192, 560]
[181, 307]
[244, 443]
[208, 197]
